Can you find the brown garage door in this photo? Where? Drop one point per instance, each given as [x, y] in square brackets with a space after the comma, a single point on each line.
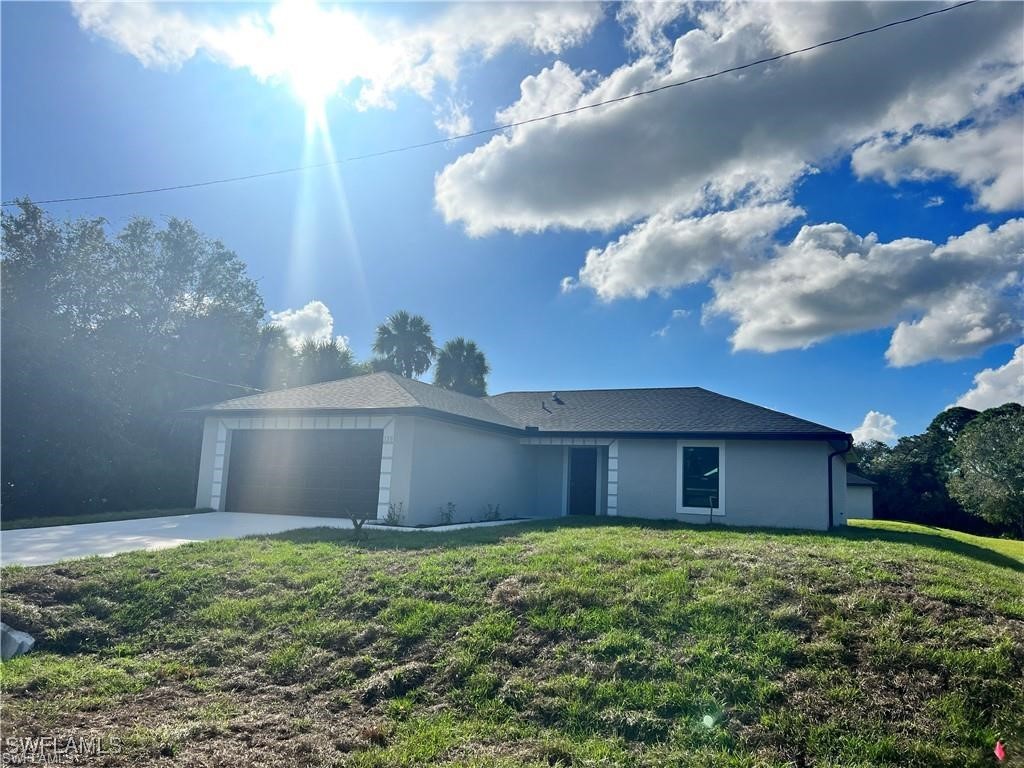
[310, 472]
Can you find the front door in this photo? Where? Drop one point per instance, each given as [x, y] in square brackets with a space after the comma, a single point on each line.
[583, 481]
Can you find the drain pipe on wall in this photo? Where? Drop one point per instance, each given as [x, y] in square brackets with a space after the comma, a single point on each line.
[849, 445]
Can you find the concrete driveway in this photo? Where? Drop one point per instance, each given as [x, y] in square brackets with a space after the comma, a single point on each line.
[40, 546]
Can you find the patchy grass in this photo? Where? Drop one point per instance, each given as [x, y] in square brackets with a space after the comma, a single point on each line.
[10, 524]
[574, 643]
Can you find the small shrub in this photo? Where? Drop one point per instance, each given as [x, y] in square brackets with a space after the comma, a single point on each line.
[395, 514]
[493, 512]
[446, 513]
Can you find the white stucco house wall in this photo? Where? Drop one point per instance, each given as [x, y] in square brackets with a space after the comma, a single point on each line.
[860, 497]
[365, 444]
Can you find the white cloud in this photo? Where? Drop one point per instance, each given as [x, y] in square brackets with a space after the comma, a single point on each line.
[989, 160]
[452, 118]
[328, 49]
[645, 24]
[830, 281]
[876, 426]
[964, 324]
[747, 135]
[677, 314]
[996, 386]
[313, 322]
[935, 201]
[665, 252]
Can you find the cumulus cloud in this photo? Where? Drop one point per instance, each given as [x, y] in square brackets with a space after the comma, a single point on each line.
[988, 160]
[963, 324]
[313, 322]
[338, 46]
[996, 386]
[746, 135]
[665, 252]
[876, 426]
[829, 281]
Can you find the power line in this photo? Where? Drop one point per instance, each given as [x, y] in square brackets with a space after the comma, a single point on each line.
[505, 126]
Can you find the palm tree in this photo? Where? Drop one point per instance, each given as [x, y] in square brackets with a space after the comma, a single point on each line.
[273, 359]
[462, 367]
[405, 345]
[323, 361]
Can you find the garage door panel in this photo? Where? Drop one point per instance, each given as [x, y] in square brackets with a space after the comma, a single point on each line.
[318, 472]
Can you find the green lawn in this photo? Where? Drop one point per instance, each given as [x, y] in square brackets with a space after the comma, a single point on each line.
[10, 524]
[575, 643]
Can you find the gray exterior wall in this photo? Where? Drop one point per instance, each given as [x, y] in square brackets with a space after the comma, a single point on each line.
[860, 502]
[776, 483]
[548, 470]
[470, 468]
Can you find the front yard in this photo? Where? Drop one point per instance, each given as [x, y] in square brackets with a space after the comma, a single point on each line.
[574, 643]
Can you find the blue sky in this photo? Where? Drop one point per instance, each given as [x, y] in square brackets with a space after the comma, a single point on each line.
[692, 228]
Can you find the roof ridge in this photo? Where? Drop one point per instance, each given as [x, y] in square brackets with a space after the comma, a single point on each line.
[598, 389]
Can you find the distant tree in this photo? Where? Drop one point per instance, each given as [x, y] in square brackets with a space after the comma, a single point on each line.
[105, 339]
[989, 476]
[912, 475]
[273, 364]
[404, 344]
[462, 367]
[322, 361]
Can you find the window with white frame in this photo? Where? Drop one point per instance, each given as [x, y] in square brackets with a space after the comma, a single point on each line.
[700, 483]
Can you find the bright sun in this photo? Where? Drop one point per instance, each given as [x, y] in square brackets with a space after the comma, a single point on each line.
[308, 54]
[320, 50]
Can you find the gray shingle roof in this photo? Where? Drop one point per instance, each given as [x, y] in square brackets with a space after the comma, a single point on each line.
[855, 479]
[675, 410]
[375, 391]
[685, 410]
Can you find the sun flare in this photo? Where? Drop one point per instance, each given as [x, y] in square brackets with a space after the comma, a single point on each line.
[318, 50]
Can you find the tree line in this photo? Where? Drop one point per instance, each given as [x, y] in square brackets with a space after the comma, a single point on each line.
[107, 337]
[403, 344]
[965, 471]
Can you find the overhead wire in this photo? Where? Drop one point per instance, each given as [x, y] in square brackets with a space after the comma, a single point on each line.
[504, 126]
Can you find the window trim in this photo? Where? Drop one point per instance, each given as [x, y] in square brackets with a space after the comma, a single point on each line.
[701, 511]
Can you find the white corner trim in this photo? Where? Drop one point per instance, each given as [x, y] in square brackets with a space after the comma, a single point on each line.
[613, 479]
[701, 512]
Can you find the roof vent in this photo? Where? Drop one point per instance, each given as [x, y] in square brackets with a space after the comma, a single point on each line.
[556, 398]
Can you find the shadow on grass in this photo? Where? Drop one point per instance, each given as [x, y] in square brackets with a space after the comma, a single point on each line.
[376, 539]
[933, 541]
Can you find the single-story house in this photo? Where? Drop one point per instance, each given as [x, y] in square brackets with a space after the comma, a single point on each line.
[366, 444]
[860, 497]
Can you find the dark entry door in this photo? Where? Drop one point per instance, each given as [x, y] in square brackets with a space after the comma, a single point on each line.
[582, 481]
[332, 472]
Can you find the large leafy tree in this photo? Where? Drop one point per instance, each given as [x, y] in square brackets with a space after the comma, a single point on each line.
[989, 476]
[404, 345]
[105, 340]
[462, 367]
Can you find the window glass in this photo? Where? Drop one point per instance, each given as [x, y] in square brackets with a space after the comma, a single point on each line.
[700, 477]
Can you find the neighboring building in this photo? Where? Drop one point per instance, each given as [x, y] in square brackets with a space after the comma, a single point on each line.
[360, 445]
[860, 497]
